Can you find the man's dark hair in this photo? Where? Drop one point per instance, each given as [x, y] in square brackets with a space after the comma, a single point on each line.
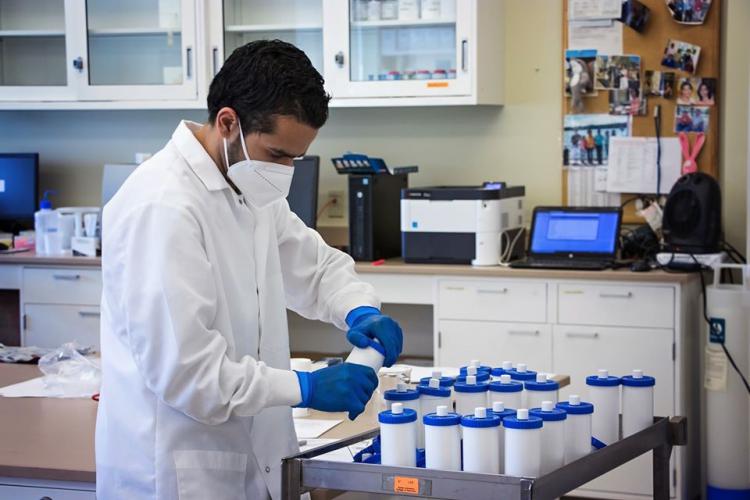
[265, 79]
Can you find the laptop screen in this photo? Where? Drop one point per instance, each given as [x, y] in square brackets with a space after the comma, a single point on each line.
[575, 231]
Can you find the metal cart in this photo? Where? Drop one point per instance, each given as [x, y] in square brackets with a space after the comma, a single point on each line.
[302, 473]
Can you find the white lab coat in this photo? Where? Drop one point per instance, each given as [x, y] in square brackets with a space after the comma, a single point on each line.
[196, 388]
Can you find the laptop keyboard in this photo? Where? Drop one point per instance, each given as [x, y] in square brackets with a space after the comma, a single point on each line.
[567, 264]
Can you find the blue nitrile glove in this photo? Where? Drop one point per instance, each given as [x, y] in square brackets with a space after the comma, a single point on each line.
[344, 387]
[367, 323]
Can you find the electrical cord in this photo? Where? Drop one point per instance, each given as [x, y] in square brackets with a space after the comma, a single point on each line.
[657, 126]
[508, 252]
[736, 368]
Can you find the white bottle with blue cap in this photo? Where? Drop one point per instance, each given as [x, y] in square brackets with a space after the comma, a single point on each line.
[577, 427]
[469, 395]
[442, 439]
[432, 395]
[444, 381]
[499, 371]
[410, 399]
[637, 402]
[473, 371]
[539, 390]
[523, 444]
[481, 431]
[499, 410]
[464, 370]
[553, 436]
[604, 394]
[507, 391]
[373, 355]
[398, 436]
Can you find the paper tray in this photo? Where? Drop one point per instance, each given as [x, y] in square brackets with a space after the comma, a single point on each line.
[301, 473]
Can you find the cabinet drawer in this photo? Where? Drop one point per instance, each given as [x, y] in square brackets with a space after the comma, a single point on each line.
[62, 286]
[52, 325]
[580, 351]
[34, 493]
[616, 305]
[493, 300]
[493, 343]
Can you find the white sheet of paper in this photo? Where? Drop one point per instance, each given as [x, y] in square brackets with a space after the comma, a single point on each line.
[600, 179]
[605, 38]
[586, 187]
[420, 372]
[311, 428]
[632, 164]
[594, 9]
[35, 388]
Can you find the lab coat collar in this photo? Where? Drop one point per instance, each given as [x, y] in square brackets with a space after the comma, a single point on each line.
[197, 157]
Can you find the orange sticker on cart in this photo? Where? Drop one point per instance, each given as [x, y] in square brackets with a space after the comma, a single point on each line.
[406, 485]
[435, 85]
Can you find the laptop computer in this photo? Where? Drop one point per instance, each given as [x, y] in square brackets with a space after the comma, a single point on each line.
[573, 238]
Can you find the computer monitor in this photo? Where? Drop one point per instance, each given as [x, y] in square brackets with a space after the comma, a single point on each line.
[303, 194]
[19, 189]
[575, 230]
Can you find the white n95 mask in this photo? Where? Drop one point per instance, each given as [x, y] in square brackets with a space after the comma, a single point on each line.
[261, 182]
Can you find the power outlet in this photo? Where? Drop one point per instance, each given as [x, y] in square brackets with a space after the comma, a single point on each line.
[336, 210]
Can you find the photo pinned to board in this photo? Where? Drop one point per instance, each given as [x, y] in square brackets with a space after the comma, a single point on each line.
[697, 92]
[681, 55]
[635, 15]
[586, 137]
[579, 76]
[691, 119]
[659, 83]
[627, 102]
[689, 11]
[618, 72]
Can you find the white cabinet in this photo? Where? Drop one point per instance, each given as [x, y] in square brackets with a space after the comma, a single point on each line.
[98, 50]
[413, 52]
[493, 300]
[60, 305]
[493, 343]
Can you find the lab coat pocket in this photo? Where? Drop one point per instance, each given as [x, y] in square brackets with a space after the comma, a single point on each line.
[210, 474]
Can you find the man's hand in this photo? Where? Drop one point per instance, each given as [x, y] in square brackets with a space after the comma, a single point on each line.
[373, 325]
[345, 387]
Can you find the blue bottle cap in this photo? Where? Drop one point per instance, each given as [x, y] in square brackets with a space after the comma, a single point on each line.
[394, 416]
[481, 419]
[638, 381]
[439, 392]
[574, 406]
[481, 377]
[444, 381]
[606, 381]
[401, 393]
[465, 387]
[512, 386]
[439, 419]
[496, 372]
[521, 375]
[553, 415]
[541, 384]
[518, 423]
[464, 370]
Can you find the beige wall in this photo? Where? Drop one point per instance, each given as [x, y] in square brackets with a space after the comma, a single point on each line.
[518, 143]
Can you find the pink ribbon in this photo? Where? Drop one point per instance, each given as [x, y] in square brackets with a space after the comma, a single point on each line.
[689, 164]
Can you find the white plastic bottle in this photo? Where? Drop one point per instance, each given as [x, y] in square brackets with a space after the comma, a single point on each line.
[523, 444]
[577, 428]
[45, 221]
[470, 395]
[553, 436]
[481, 431]
[373, 355]
[410, 399]
[398, 436]
[637, 402]
[507, 391]
[499, 410]
[539, 390]
[604, 394]
[432, 395]
[442, 439]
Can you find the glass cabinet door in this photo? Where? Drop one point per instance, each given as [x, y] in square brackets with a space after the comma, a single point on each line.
[403, 48]
[299, 22]
[33, 50]
[140, 49]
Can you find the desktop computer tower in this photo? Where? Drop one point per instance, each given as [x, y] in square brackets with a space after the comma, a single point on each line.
[375, 216]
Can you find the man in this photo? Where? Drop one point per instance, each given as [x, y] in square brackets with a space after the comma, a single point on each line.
[201, 258]
[599, 143]
[590, 144]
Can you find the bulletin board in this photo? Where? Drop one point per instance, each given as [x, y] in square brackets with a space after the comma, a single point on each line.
[650, 45]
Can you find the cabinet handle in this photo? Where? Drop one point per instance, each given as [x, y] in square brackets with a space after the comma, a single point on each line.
[628, 295]
[89, 314]
[215, 60]
[189, 62]
[66, 277]
[496, 291]
[528, 333]
[339, 59]
[455, 288]
[78, 63]
[574, 335]
[464, 55]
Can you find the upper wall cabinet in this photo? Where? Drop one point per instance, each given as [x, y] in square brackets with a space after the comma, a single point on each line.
[87, 54]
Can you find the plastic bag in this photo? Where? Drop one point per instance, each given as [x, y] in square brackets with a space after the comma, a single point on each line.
[13, 354]
[69, 374]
